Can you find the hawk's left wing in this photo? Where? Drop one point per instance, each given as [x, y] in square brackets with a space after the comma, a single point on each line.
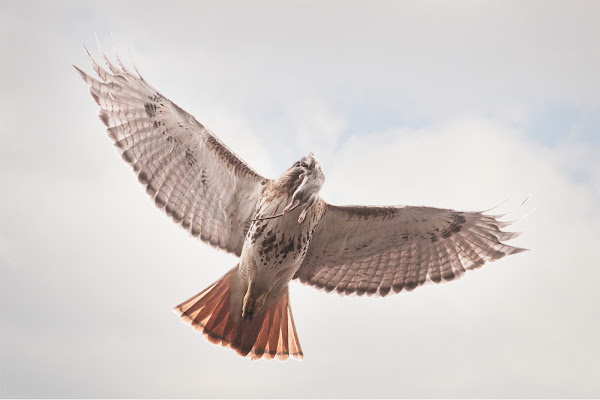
[377, 249]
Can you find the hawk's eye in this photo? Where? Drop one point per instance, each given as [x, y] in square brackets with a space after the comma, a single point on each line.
[304, 164]
[296, 164]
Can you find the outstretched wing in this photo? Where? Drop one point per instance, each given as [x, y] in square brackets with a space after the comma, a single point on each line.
[377, 249]
[186, 169]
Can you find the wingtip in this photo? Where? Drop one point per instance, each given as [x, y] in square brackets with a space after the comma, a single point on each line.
[135, 68]
[100, 48]
[90, 58]
[110, 65]
[89, 55]
[504, 202]
[497, 205]
[517, 250]
[527, 215]
[121, 64]
[83, 75]
[86, 50]
[526, 198]
[97, 41]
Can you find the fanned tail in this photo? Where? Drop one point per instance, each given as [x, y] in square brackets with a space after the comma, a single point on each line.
[269, 334]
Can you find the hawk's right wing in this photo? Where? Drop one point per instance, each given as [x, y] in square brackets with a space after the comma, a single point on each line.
[186, 169]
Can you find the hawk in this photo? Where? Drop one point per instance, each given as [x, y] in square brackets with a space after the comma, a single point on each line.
[281, 229]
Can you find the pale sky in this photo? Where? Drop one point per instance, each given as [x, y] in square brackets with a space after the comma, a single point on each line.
[456, 104]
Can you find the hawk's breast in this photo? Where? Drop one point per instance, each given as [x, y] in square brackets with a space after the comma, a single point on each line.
[277, 246]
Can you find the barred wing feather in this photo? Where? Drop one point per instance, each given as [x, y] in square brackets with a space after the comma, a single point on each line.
[187, 170]
[375, 250]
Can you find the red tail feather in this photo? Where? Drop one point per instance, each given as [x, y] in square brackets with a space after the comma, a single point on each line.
[270, 334]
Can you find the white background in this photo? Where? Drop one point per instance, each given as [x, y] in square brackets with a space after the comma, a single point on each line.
[451, 104]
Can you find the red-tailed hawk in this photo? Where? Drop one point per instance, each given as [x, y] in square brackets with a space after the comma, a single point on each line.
[279, 228]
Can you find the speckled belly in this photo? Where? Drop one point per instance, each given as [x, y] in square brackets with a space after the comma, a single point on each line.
[276, 247]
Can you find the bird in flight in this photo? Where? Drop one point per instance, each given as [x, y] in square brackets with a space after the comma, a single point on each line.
[281, 229]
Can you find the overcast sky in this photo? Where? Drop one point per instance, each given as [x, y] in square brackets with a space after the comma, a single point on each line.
[452, 104]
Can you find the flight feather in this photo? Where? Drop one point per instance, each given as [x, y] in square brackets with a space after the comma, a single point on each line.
[200, 183]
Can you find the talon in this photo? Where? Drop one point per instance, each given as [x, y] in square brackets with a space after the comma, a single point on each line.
[302, 175]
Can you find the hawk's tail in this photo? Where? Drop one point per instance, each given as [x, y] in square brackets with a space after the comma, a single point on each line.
[270, 334]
